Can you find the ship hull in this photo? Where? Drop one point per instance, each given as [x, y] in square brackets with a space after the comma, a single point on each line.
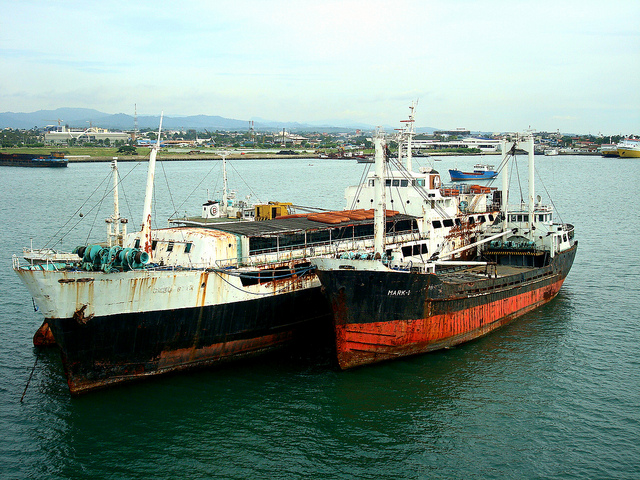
[380, 316]
[28, 160]
[629, 152]
[458, 175]
[128, 326]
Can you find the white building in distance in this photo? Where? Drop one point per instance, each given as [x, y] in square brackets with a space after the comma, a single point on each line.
[61, 134]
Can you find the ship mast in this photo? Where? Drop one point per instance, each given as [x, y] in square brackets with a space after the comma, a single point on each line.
[225, 192]
[114, 221]
[525, 143]
[409, 133]
[532, 186]
[146, 213]
[380, 200]
[505, 180]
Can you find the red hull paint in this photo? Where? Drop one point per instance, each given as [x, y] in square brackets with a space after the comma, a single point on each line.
[364, 343]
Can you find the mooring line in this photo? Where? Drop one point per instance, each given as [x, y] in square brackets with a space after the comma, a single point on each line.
[29, 381]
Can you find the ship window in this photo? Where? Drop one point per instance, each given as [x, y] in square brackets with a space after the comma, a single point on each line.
[482, 219]
[387, 182]
[421, 182]
[154, 244]
[525, 218]
[541, 218]
[519, 218]
[187, 247]
[458, 222]
[491, 217]
[136, 244]
[448, 222]
[372, 182]
[471, 221]
[437, 224]
[396, 183]
[170, 247]
[404, 183]
[513, 218]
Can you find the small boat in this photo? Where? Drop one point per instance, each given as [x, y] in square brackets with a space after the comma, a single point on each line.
[480, 172]
[385, 308]
[629, 148]
[364, 159]
[551, 152]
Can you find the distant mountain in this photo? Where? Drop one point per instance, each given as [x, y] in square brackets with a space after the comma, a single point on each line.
[85, 117]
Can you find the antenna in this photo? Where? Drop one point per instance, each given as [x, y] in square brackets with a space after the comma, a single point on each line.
[135, 122]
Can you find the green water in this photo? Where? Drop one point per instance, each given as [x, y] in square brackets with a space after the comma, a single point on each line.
[554, 395]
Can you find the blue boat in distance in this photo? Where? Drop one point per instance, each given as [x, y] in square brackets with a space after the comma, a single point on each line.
[480, 172]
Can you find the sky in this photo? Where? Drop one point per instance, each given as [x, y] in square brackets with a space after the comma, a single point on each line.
[491, 65]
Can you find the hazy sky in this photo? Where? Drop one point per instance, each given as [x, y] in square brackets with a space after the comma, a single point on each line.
[489, 65]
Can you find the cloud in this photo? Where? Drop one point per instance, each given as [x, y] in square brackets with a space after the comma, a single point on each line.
[494, 65]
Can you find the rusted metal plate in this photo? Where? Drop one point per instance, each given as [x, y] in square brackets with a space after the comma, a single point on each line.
[384, 315]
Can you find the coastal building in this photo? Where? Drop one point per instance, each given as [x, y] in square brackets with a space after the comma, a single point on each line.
[62, 134]
[486, 145]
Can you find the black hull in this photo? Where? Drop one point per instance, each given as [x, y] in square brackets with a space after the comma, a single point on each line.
[31, 160]
[122, 348]
[33, 163]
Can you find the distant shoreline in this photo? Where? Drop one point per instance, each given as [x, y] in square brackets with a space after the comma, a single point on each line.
[178, 157]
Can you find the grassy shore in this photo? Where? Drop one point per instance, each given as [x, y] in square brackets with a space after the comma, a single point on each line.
[105, 154]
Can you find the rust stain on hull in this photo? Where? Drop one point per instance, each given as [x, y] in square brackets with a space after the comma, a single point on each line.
[385, 315]
[361, 344]
[44, 336]
[179, 360]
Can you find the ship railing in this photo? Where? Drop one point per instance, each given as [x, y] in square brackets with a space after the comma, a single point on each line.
[48, 264]
[524, 208]
[274, 256]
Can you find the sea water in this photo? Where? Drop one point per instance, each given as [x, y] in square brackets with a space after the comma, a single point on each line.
[555, 394]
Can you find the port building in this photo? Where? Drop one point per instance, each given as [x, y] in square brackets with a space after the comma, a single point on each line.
[61, 134]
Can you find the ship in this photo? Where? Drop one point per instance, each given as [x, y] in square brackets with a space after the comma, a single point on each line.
[385, 307]
[55, 159]
[219, 288]
[171, 299]
[480, 172]
[629, 148]
[609, 149]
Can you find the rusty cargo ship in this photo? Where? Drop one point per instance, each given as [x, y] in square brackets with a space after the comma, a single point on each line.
[226, 286]
[386, 307]
[212, 290]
